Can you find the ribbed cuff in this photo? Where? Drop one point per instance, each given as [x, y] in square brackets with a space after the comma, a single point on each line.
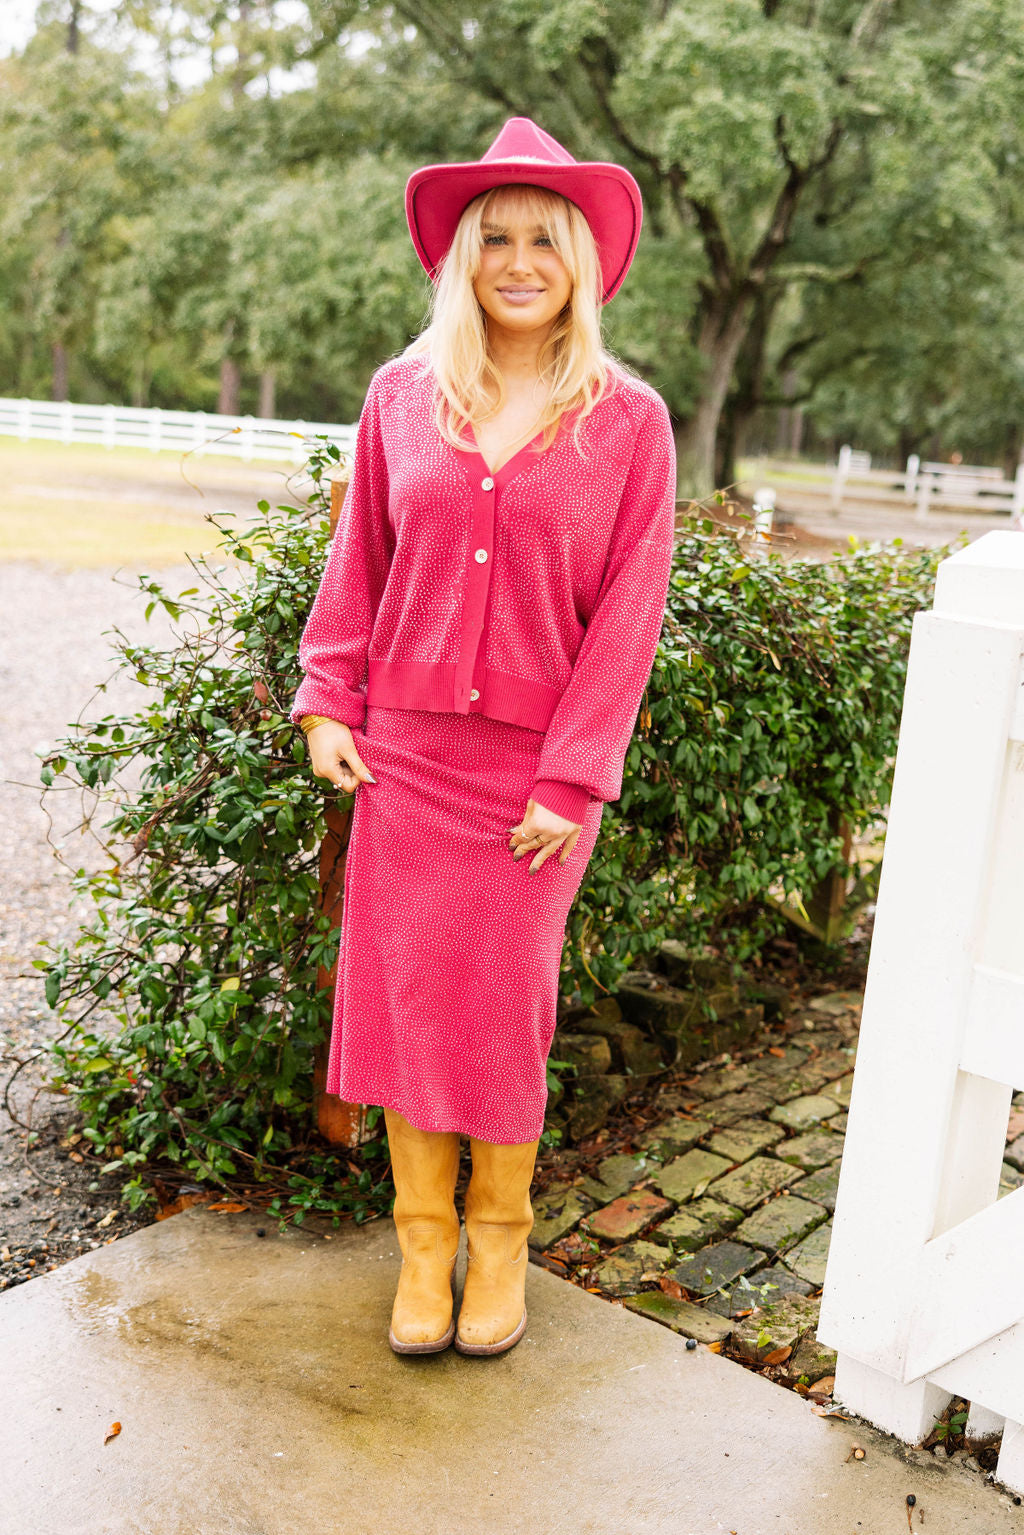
[337, 705]
[565, 799]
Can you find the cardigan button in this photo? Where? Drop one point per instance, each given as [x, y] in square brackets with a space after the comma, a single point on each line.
[474, 692]
[488, 484]
[480, 556]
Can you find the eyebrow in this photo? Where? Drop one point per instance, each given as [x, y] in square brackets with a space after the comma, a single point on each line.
[487, 225]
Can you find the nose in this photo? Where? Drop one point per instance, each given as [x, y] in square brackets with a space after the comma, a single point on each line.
[519, 259]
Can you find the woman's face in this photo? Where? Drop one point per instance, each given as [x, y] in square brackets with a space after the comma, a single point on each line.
[523, 283]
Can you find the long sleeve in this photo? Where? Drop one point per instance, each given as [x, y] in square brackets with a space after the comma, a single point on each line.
[335, 641]
[585, 744]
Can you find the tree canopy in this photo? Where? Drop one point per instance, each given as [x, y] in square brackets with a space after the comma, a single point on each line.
[202, 202]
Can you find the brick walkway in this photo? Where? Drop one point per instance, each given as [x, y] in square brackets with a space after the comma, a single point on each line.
[715, 1219]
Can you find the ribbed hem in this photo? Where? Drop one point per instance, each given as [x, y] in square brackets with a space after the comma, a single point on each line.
[433, 685]
[566, 799]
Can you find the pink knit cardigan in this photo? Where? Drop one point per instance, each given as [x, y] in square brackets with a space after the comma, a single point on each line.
[534, 595]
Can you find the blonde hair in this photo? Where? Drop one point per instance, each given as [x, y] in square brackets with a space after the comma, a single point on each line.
[574, 361]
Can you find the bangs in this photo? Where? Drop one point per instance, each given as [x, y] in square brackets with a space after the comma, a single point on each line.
[549, 211]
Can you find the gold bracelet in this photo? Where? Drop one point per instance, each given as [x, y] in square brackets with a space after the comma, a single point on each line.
[309, 722]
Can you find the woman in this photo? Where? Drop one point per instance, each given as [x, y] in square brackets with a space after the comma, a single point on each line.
[474, 661]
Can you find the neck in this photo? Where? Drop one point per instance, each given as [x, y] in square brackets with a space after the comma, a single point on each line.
[516, 354]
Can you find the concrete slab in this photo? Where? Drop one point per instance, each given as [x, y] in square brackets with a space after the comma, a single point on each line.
[257, 1395]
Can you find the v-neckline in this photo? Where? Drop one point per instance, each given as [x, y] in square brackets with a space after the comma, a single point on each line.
[511, 466]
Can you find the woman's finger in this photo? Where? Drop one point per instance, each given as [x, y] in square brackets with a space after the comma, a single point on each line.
[545, 852]
[569, 844]
[338, 779]
[356, 765]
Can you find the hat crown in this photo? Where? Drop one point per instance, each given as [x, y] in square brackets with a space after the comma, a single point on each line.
[606, 194]
[522, 139]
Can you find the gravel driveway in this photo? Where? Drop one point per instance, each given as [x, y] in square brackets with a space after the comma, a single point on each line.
[54, 653]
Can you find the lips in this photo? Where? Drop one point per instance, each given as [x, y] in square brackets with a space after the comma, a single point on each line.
[520, 295]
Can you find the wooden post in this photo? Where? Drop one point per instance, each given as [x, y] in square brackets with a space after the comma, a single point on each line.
[839, 479]
[826, 904]
[340, 1123]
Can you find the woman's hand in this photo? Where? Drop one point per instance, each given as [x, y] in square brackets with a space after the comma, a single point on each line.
[330, 746]
[541, 831]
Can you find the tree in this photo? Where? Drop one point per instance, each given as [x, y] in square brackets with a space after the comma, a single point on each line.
[752, 129]
[76, 130]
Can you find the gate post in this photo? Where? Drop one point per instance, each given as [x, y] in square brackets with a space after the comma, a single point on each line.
[340, 1123]
[922, 1296]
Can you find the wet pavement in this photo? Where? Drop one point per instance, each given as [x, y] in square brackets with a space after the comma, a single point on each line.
[256, 1395]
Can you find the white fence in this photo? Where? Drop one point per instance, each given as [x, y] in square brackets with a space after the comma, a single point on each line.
[117, 426]
[923, 1296]
[974, 487]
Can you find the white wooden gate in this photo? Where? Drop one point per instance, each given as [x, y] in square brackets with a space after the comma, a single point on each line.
[924, 1287]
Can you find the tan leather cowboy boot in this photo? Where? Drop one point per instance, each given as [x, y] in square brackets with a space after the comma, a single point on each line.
[499, 1218]
[425, 1168]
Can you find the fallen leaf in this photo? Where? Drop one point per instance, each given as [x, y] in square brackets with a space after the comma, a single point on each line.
[226, 1207]
[821, 1411]
[76, 1156]
[823, 1387]
[671, 1287]
[777, 1355]
[107, 1218]
[777, 1050]
[112, 1432]
[739, 1315]
[716, 1347]
[182, 1202]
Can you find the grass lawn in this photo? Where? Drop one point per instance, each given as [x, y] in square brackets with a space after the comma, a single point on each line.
[81, 504]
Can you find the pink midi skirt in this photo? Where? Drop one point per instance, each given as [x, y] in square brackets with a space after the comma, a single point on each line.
[447, 981]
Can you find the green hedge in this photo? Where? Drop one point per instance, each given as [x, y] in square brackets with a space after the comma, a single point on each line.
[774, 706]
[774, 710]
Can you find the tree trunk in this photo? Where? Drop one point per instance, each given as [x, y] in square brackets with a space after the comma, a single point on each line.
[1012, 444]
[73, 36]
[268, 395]
[229, 400]
[784, 418]
[747, 396]
[60, 371]
[722, 333]
[725, 444]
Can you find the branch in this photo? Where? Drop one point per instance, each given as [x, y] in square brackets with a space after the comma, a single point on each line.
[795, 349]
[449, 40]
[601, 73]
[779, 225]
[870, 23]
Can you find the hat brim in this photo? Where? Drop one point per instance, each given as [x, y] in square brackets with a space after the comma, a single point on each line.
[606, 194]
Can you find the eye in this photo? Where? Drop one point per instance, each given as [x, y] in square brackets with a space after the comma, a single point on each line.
[489, 238]
[543, 239]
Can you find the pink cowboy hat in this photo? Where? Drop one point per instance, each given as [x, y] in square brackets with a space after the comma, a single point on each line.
[606, 194]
